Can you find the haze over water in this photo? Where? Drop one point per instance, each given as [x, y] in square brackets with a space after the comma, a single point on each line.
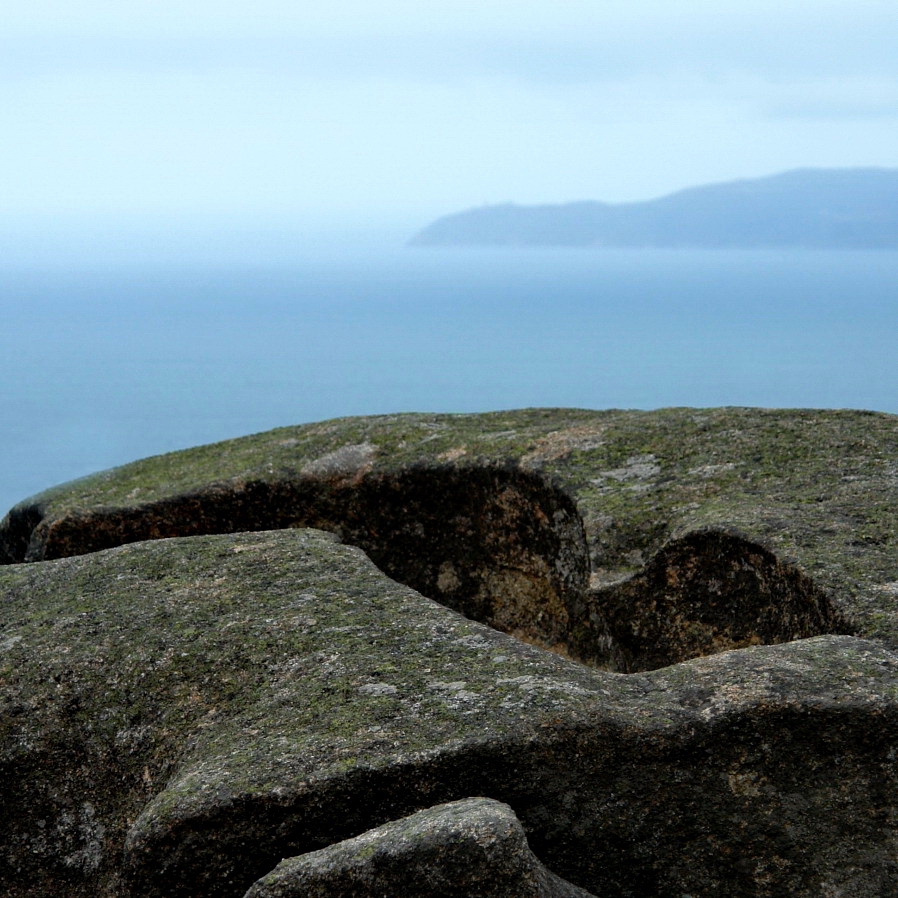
[104, 365]
[194, 198]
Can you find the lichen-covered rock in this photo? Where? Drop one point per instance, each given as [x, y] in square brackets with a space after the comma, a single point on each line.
[177, 715]
[627, 539]
[470, 847]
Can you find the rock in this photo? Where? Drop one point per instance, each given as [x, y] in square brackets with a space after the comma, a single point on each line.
[180, 715]
[183, 712]
[628, 540]
[470, 847]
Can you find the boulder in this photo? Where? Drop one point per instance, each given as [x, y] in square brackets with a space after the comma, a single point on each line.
[184, 705]
[471, 847]
[629, 540]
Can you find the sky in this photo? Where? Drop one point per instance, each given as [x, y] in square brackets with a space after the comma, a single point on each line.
[350, 114]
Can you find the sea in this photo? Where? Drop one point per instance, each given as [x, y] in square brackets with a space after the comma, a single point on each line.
[101, 364]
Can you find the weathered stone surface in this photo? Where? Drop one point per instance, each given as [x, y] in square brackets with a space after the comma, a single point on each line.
[628, 539]
[179, 715]
[471, 847]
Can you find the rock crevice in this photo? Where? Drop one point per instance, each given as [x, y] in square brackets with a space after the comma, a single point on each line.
[184, 703]
[501, 545]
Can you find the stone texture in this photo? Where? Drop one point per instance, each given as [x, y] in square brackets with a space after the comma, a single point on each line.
[470, 847]
[178, 715]
[628, 539]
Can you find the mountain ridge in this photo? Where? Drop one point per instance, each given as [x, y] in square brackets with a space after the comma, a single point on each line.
[853, 208]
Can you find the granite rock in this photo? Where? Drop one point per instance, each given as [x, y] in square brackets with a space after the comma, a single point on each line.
[184, 706]
[471, 847]
[627, 539]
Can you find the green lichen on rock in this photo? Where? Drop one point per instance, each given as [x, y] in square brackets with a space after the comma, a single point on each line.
[180, 714]
[558, 506]
[470, 847]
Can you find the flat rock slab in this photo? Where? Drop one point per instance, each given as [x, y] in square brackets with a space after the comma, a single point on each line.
[185, 705]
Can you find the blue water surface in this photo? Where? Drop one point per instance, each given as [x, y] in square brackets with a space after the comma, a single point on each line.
[100, 366]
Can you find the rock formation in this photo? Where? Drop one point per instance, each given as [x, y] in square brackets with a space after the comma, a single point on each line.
[471, 847]
[542, 652]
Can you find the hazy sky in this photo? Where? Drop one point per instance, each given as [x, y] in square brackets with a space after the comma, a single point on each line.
[397, 112]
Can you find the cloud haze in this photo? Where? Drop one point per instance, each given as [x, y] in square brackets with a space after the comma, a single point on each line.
[398, 112]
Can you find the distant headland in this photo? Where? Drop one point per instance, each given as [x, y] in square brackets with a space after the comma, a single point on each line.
[853, 208]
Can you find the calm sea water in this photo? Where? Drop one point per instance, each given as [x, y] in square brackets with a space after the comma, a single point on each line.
[100, 367]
